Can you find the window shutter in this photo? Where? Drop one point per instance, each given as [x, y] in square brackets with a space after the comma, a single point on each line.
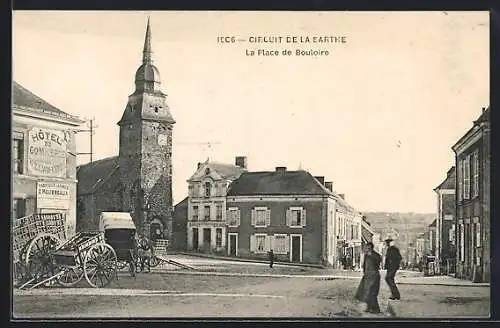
[252, 243]
[267, 245]
[287, 243]
[238, 217]
[20, 211]
[228, 217]
[253, 214]
[273, 243]
[30, 206]
[268, 217]
[213, 191]
[288, 217]
[460, 177]
[303, 217]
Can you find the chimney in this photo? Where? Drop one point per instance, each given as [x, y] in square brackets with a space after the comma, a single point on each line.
[342, 196]
[241, 161]
[329, 185]
[321, 180]
[280, 168]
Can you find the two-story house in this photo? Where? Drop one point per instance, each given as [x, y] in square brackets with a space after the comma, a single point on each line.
[445, 223]
[43, 158]
[472, 156]
[291, 212]
[206, 204]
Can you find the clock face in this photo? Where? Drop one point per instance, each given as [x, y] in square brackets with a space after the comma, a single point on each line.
[162, 139]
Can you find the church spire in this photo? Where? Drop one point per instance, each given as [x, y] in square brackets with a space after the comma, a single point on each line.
[147, 52]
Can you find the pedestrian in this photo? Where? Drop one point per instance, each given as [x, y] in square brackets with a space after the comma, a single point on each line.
[271, 258]
[392, 263]
[369, 285]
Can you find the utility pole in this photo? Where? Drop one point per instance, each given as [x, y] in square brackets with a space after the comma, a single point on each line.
[91, 131]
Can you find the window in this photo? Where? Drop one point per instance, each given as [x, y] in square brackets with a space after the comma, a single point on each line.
[218, 237]
[260, 244]
[195, 213]
[190, 191]
[478, 234]
[451, 236]
[208, 188]
[218, 209]
[280, 244]
[467, 177]
[18, 208]
[17, 155]
[296, 217]
[233, 217]
[460, 176]
[207, 213]
[260, 217]
[475, 174]
[462, 242]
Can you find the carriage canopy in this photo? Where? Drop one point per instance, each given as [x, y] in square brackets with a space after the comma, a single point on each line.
[116, 220]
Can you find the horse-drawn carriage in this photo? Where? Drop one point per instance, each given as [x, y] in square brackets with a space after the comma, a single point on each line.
[90, 254]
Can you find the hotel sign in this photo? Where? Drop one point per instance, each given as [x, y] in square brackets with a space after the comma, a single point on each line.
[47, 152]
[53, 195]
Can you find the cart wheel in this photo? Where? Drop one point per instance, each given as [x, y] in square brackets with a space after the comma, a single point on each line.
[154, 261]
[71, 276]
[100, 265]
[38, 256]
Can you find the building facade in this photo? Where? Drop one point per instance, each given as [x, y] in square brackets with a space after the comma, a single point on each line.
[291, 212]
[206, 205]
[139, 179]
[445, 224]
[43, 158]
[472, 160]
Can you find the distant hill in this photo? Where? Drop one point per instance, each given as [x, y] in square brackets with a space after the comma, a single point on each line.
[408, 225]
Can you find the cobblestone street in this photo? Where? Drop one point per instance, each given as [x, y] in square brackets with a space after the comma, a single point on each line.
[263, 293]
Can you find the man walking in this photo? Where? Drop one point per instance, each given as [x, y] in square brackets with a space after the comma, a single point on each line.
[271, 258]
[369, 285]
[392, 262]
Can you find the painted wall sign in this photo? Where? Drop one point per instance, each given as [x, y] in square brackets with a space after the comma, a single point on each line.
[47, 152]
[52, 195]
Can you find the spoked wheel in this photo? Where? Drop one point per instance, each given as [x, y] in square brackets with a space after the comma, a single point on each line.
[100, 265]
[71, 276]
[154, 262]
[38, 256]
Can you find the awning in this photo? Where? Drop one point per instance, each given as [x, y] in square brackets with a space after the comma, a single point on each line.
[116, 220]
[366, 236]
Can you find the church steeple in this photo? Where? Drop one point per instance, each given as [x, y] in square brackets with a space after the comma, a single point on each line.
[147, 52]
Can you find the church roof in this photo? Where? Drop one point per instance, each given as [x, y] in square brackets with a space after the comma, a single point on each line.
[23, 97]
[93, 175]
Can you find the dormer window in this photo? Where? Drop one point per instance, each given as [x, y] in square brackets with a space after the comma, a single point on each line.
[156, 109]
[208, 187]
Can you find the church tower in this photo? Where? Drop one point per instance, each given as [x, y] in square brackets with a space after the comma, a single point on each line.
[145, 155]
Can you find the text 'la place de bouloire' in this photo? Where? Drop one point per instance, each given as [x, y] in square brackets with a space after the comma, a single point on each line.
[284, 40]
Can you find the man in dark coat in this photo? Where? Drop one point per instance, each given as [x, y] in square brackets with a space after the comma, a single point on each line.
[369, 286]
[392, 262]
[271, 258]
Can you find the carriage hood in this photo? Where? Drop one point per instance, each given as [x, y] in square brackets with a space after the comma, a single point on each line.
[116, 220]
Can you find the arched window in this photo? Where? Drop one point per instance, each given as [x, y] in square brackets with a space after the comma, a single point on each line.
[208, 187]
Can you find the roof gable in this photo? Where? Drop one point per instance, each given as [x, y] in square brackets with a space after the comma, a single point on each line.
[217, 171]
[93, 175]
[449, 182]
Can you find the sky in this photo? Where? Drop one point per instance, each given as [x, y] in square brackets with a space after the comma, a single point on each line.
[377, 115]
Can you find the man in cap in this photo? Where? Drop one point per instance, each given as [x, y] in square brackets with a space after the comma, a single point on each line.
[392, 262]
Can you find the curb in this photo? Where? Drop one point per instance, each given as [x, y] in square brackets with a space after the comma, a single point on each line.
[236, 259]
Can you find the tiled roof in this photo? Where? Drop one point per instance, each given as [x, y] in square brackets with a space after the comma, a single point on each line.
[277, 183]
[225, 171]
[92, 175]
[449, 182]
[183, 203]
[23, 97]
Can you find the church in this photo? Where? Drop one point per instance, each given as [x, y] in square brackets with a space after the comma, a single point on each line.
[139, 179]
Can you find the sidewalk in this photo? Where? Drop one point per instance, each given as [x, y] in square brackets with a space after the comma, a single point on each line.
[436, 280]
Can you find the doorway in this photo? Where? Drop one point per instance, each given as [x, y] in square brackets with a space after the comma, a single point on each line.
[195, 238]
[207, 238]
[296, 248]
[233, 244]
